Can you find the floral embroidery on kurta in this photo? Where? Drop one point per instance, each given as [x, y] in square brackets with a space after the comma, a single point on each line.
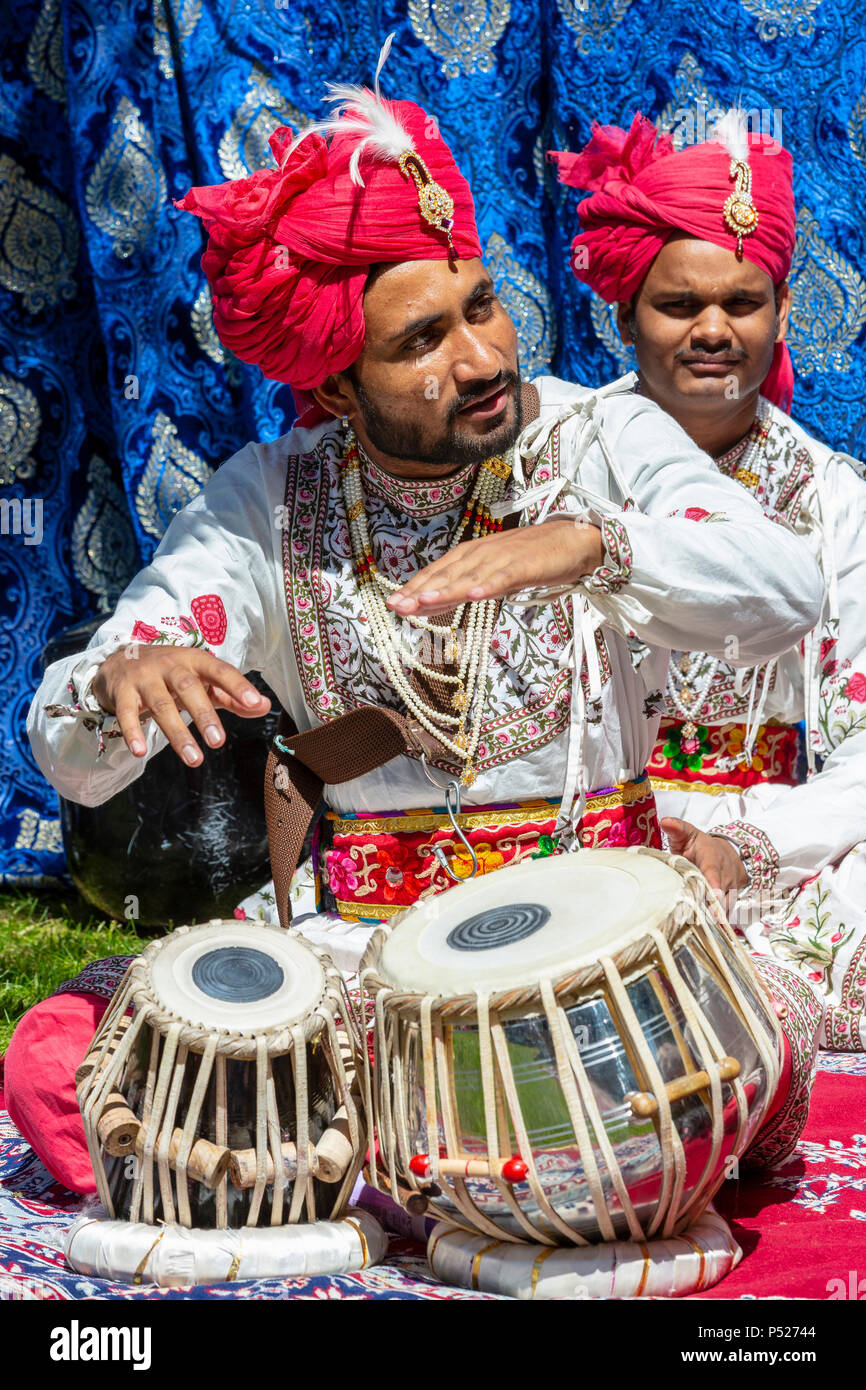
[338, 664]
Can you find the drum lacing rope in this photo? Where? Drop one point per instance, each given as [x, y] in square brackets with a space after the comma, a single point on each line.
[170, 1046]
[189, 1130]
[670, 1144]
[261, 1132]
[356, 1041]
[275, 1145]
[154, 1124]
[710, 1053]
[492, 1119]
[756, 719]
[452, 807]
[103, 1079]
[221, 1134]
[166, 1131]
[770, 1057]
[494, 1060]
[456, 1189]
[142, 1186]
[560, 1032]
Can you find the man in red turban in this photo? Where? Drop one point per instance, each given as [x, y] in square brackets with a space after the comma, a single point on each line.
[290, 249]
[734, 191]
[361, 559]
[695, 246]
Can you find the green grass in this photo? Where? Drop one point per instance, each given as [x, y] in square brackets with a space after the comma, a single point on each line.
[44, 939]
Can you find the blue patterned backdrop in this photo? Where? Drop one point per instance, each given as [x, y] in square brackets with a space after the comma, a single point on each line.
[116, 399]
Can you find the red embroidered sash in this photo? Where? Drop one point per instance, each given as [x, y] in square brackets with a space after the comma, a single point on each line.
[710, 759]
[373, 866]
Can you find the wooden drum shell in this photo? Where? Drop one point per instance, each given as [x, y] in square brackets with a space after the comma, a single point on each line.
[215, 1127]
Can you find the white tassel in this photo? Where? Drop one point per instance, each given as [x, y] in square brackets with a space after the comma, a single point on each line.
[732, 132]
[358, 111]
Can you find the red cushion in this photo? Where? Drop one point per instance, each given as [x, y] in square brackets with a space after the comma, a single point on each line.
[39, 1081]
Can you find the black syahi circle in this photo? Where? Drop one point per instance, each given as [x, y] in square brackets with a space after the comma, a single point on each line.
[498, 926]
[237, 974]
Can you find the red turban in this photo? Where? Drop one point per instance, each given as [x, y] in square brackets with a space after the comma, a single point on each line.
[290, 247]
[642, 190]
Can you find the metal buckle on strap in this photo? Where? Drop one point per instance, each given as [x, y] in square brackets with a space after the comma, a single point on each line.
[452, 806]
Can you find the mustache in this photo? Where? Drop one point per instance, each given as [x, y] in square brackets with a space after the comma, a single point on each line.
[480, 391]
[730, 354]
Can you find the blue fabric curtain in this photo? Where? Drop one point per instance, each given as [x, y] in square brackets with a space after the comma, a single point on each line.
[117, 400]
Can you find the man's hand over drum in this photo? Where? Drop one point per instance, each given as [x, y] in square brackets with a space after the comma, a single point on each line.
[552, 556]
[163, 681]
[715, 856]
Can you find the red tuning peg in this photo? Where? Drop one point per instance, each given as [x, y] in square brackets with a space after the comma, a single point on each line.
[470, 1166]
[514, 1170]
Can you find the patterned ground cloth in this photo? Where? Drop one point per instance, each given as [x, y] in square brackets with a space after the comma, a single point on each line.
[801, 1226]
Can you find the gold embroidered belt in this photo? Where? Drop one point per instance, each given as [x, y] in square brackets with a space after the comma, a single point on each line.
[371, 866]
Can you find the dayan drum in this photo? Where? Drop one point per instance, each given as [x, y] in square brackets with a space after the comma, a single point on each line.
[569, 1050]
[225, 1097]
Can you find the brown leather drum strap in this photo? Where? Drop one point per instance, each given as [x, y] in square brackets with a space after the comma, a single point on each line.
[347, 747]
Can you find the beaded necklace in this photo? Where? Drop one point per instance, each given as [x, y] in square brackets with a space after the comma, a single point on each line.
[460, 732]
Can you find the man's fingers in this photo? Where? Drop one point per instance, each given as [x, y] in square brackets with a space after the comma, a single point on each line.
[127, 711]
[214, 672]
[450, 588]
[161, 704]
[194, 698]
[162, 682]
[679, 832]
[469, 559]
[221, 699]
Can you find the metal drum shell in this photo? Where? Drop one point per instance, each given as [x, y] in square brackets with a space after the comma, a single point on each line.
[713, 970]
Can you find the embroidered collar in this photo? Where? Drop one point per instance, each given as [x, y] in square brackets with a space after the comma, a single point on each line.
[422, 497]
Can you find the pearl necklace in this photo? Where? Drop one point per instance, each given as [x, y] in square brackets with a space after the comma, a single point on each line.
[742, 462]
[690, 696]
[461, 741]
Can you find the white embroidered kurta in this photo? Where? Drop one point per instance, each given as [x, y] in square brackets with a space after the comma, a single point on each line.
[259, 568]
[805, 846]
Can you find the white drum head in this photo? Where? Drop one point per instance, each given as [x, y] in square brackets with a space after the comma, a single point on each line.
[243, 978]
[542, 917]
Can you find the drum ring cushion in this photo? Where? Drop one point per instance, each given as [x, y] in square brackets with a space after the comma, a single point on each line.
[50, 1041]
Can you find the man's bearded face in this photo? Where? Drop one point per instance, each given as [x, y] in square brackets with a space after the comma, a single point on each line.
[704, 326]
[438, 382]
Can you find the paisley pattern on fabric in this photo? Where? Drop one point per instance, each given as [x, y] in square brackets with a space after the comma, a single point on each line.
[105, 325]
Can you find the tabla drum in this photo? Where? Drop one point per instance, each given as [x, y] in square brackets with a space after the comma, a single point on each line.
[569, 1050]
[218, 1091]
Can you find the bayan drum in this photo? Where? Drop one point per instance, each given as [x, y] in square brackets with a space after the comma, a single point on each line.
[569, 1050]
[218, 1091]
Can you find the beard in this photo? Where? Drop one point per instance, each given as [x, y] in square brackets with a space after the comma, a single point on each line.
[408, 441]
